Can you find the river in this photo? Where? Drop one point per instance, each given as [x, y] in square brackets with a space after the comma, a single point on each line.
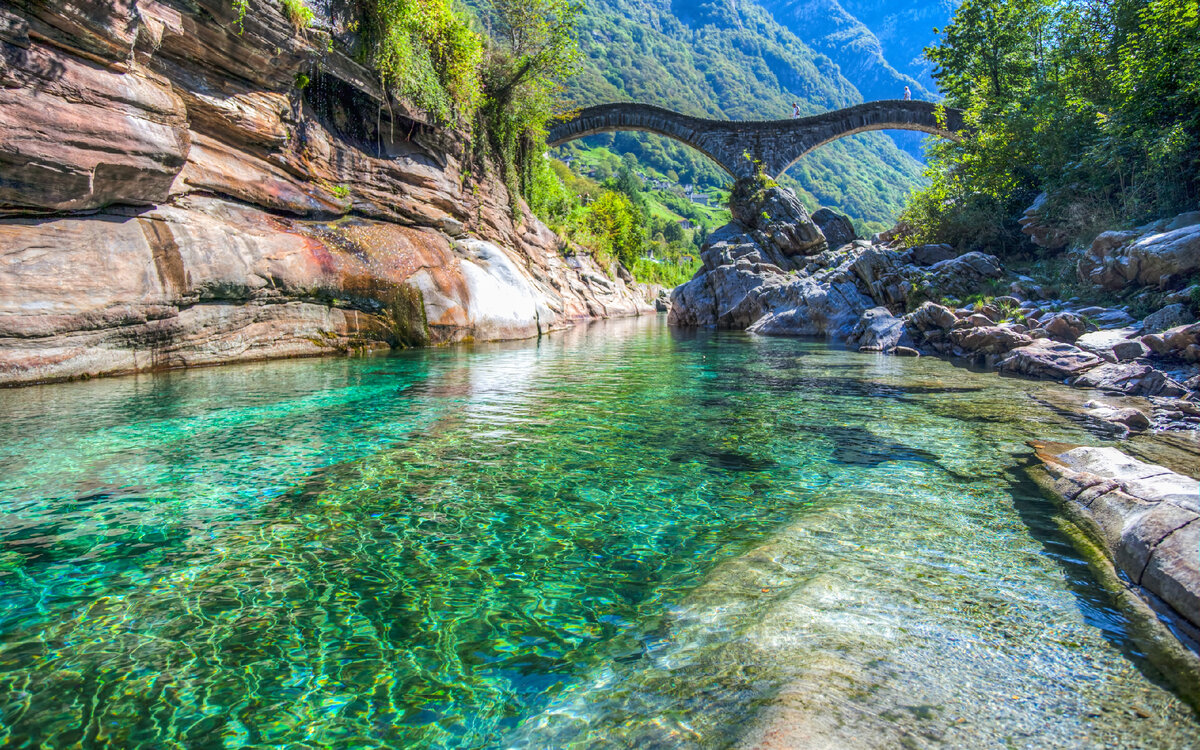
[621, 535]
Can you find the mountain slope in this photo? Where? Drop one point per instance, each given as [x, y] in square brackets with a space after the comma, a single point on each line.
[904, 29]
[733, 60]
[826, 26]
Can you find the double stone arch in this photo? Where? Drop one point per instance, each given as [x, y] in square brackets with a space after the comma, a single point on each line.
[775, 144]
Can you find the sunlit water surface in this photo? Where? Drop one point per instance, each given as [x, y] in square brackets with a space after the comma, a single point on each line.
[620, 536]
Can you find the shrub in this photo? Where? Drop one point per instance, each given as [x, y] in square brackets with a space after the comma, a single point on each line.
[297, 13]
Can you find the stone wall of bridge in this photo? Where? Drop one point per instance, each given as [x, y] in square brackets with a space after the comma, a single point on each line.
[777, 144]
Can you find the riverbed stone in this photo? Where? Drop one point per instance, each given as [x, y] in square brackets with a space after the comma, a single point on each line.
[1132, 379]
[989, 339]
[1127, 418]
[1064, 326]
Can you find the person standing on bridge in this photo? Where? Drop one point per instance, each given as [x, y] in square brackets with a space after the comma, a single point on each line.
[795, 110]
[907, 94]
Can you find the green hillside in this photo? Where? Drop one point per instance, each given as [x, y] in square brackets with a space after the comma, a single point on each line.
[732, 60]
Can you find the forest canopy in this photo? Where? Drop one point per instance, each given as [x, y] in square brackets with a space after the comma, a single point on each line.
[1096, 103]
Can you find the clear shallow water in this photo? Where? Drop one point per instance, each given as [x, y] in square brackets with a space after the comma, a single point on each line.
[623, 536]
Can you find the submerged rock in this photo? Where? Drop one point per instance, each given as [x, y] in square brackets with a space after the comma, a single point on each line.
[1128, 418]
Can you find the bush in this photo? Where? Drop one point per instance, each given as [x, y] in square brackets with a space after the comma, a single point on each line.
[426, 53]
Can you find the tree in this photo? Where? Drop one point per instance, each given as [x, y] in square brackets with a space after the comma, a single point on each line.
[533, 50]
[618, 226]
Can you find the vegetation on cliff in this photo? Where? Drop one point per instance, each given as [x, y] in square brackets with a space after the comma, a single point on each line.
[1096, 104]
[496, 71]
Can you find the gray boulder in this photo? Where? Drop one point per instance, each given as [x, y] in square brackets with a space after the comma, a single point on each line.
[879, 330]
[931, 316]
[1168, 317]
[778, 215]
[964, 275]
[1161, 254]
[836, 227]
[927, 255]
[1131, 379]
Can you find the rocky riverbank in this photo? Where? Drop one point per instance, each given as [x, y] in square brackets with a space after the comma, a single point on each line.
[772, 271]
[1146, 521]
[182, 187]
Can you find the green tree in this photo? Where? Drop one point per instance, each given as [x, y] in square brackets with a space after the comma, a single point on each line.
[1095, 103]
[618, 226]
[533, 50]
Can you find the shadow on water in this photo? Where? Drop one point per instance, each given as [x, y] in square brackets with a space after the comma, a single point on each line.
[727, 460]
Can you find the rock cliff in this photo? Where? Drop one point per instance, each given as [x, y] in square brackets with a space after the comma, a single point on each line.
[178, 187]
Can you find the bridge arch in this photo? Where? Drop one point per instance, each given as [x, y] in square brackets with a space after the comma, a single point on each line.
[777, 144]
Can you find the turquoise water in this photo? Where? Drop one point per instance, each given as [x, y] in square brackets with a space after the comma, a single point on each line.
[619, 536]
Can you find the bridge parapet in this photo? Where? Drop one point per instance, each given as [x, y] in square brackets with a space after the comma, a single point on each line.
[777, 144]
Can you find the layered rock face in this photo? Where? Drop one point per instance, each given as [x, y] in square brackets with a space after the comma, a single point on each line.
[173, 195]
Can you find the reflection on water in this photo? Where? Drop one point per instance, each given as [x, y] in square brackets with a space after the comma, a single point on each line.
[620, 536]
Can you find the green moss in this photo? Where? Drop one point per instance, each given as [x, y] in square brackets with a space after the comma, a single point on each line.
[297, 13]
[406, 317]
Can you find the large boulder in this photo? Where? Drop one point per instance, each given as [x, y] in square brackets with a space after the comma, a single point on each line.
[1131, 379]
[804, 306]
[1181, 342]
[962, 276]
[1168, 317]
[927, 255]
[1156, 255]
[879, 330]
[1064, 326]
[931, 316]
[778, 215]
[989, 339]
[836, 227]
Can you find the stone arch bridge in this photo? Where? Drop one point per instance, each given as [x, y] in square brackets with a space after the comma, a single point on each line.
[777, 144]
